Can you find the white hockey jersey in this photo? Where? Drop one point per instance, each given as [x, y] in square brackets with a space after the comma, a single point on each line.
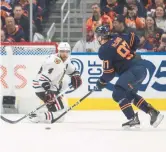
[53, 70]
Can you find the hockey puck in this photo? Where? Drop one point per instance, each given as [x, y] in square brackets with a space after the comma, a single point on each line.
[48, 128]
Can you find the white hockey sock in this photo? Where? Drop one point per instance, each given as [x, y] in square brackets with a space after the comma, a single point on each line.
[47, 117]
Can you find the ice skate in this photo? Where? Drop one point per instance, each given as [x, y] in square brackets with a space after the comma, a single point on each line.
[155, 117]
[33, 117]
[40, 117]
[46, 117]
[134, 122]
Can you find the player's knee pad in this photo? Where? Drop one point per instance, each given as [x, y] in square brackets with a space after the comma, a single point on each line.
[119, 93]
[130, 96]
[60, 103]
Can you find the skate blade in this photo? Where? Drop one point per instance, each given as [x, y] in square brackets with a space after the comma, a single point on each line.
[131, 127]
[32, 120]
[158, 121]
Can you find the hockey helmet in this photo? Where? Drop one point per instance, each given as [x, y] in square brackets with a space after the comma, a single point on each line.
[64, 50]
[103, 31]
[64, 46]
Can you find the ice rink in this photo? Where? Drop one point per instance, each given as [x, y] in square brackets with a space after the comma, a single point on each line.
[83, 131]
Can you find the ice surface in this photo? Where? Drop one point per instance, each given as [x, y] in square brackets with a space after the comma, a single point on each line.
[83, 131]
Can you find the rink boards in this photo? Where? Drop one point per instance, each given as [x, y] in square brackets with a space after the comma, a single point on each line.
[26, 65]
[153, 88]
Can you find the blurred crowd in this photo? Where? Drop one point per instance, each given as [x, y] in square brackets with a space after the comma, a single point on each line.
[146, 18]
[15, 19]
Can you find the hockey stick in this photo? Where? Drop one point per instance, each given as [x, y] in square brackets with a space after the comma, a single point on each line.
[16, 121]
[70, 108]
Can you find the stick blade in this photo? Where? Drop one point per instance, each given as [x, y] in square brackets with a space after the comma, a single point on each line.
[8, 121]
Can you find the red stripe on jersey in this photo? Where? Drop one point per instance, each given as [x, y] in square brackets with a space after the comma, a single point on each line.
[57, 103]
[43, 78]
[36, 84]
[49, 115]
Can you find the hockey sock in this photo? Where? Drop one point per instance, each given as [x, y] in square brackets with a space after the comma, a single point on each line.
[52, 115]
[56, 106]
[127, 109]
[140, 103]
[59, 104]
[49, 116]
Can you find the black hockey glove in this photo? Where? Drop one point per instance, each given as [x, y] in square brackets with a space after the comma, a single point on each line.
[76, 81]
[46, 86]
[50, 97]
[100, 85]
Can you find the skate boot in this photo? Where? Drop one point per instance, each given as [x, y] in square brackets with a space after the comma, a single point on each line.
[36, 117]
[155, 116]
[41, 117]
[46, 117]
[134, 122]
[33, 117]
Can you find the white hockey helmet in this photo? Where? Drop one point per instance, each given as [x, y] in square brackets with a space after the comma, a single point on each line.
[64, 46]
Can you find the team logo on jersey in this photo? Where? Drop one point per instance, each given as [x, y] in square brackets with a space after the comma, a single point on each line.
[57, 61]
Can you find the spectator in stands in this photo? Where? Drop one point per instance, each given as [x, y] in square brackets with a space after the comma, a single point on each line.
[1, 23]
[44, 4]
[160, 18]
[5, 10]
[162, 46]
[152, 35]
[119, 25]
[138, 6]
[146, 3]
[22, 20]
[14, 33]
[3, 16]
[37, 12]
[155, 3]
[3, 37]
[134, 18]
[91, 44]
[131, 2]
[112, 7]
[5, 6]
[97, 18]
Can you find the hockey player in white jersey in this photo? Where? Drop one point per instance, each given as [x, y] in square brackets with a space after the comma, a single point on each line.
[50, 81]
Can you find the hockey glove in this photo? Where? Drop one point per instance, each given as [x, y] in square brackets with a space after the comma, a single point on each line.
[100, 85]
[76, 81]
[46, 85]
[50, 97]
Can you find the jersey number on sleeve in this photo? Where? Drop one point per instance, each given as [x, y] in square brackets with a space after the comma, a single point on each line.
[40, 70]
[124, 51]
[50, 70]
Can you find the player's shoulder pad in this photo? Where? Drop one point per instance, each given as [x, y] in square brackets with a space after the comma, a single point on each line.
[68, 61]
[104, 52]
[53, 58]
[134, 35]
